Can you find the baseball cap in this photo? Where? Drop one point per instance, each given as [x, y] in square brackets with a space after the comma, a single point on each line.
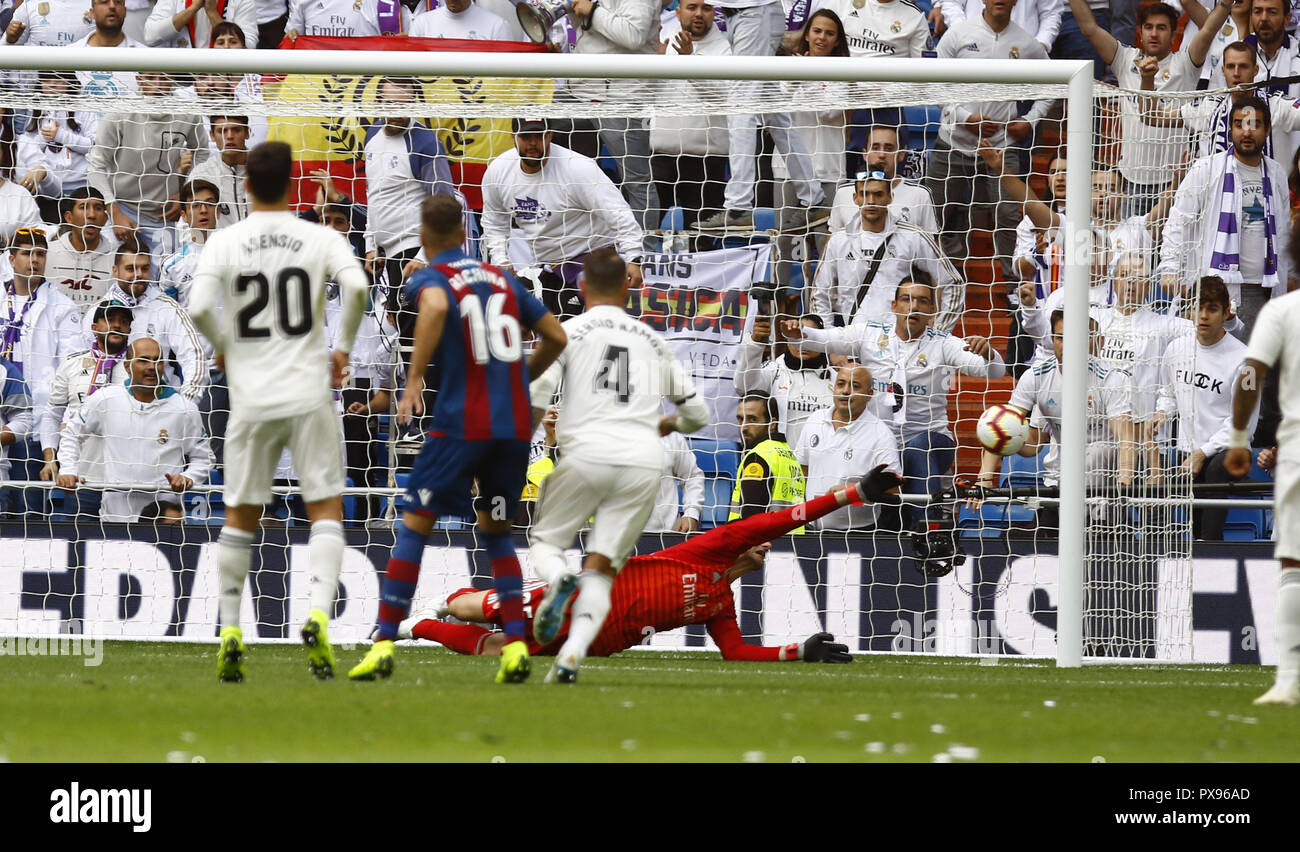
[102, 309]
[530, 124]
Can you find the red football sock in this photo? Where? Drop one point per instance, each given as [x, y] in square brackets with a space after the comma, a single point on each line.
[461, 638]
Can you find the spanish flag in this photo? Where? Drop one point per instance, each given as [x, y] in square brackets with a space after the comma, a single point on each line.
[333, 137]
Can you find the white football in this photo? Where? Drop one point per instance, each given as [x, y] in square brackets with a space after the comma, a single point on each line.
[1002, 429]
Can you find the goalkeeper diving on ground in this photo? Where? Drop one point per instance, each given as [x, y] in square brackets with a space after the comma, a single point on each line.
[688, 583]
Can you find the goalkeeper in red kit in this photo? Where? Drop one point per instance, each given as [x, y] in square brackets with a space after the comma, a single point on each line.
[688, 583]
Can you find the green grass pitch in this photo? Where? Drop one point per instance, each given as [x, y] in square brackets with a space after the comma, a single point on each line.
[160, 701]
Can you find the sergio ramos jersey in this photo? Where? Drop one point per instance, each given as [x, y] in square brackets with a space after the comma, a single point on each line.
[266, 277]
[616, 370]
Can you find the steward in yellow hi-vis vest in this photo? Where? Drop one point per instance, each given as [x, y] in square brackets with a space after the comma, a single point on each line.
[770, 477]
[542, 465]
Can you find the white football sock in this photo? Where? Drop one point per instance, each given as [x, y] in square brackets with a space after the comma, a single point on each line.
[325, 556]
[586, 617]
[234, 556]
[1288, 628]
[548, 560]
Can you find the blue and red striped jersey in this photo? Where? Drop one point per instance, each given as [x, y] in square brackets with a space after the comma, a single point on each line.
[482, 377]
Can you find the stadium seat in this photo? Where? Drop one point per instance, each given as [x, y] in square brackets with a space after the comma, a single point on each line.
[1257, 473]
[1240, 532]
[764, 219]
[349, 502]
[400, 481]
[1018, 470]
[717, 501]
[1244, 521]
[990, 515]
[923, 126]
[716, 458]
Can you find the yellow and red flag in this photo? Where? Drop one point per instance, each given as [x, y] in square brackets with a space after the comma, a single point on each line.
[333, 137]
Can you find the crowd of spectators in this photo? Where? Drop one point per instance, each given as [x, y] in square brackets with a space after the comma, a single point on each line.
[104, 218]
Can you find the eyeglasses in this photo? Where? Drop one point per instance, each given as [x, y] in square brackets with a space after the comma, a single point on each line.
[30, 236]
[876, 174]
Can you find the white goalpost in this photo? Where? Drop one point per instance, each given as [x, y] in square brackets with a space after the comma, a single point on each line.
[868, 84]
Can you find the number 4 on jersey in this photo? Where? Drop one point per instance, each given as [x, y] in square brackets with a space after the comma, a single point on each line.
[613, 374]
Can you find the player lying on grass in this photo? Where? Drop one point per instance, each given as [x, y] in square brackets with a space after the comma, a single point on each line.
[688, 583]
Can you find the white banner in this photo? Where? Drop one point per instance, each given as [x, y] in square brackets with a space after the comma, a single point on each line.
[699, 302]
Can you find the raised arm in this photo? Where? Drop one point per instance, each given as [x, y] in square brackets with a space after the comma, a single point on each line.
[1200, 46]
[1102, 41]
[1040, 214]
[846, 340]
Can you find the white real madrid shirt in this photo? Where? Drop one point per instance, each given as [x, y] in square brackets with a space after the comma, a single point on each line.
[910, 379]
[873, 28]
[973, 38]
[615, 372]
[910, 203]
[474, 23]
[1041, 389]
[679, 468]
[799, 391]
[53, 23]
[1146, 154]
[847, 260]
[178, 270]
[836, 456]
[347, 18]
[107, 83]
[1133, 345]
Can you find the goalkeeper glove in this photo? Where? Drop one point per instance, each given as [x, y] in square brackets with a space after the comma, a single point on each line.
[822, 648]
[875, 487]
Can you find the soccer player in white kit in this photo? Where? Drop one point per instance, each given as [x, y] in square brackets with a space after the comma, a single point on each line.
[259, 297]
[615, 372]
[1273, 345]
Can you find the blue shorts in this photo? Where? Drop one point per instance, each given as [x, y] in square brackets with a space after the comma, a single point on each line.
[445, 470]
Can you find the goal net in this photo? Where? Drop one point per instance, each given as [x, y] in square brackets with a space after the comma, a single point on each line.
[923, 271]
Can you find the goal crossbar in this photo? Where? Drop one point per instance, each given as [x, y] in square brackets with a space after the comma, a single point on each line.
[1075, 76]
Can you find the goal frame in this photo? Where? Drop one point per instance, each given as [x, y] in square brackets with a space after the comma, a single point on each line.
[1076, 75]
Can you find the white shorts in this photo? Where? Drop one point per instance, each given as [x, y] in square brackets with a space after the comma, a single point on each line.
[1286, 510]
[620, 499]
[253, 452]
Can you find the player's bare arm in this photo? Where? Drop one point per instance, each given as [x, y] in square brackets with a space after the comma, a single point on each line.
[1125, 434]
[1249, 384]
[429, 323]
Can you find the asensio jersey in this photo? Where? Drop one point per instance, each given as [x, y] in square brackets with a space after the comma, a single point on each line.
[259, 297]
[481, 374]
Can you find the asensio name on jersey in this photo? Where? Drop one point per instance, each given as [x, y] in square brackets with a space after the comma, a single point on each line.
[269, 273]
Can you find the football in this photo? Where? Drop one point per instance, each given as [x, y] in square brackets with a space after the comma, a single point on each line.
[1002, 429]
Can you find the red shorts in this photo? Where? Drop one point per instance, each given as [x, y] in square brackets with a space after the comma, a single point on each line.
[534, 591]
